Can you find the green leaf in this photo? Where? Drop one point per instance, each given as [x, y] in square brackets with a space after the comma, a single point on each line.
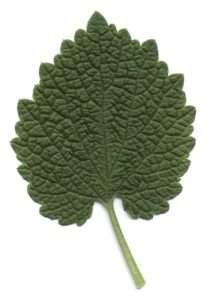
[106, 120]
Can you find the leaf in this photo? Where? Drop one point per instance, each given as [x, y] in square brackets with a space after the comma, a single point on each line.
[106, 120]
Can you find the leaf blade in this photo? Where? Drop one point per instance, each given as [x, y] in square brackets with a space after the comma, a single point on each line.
[106, 120]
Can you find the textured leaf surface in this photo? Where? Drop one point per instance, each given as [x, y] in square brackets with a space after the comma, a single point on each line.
[106, 120]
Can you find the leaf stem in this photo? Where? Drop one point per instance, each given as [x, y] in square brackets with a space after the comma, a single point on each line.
[132, 266]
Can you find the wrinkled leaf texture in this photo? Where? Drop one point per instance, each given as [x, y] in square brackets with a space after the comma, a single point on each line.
[106, 120]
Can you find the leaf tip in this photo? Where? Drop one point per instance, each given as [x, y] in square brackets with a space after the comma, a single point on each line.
[96, 21]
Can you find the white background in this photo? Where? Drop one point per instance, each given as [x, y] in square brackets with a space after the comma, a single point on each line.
[40, 259]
